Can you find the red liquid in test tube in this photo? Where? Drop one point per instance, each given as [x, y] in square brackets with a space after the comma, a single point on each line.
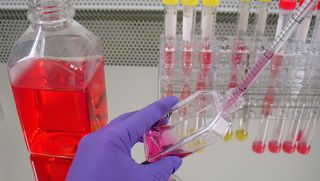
[169, 59]
[205, 60]
[259, 145]
[169, 90]
[276, 65]
[185, 91]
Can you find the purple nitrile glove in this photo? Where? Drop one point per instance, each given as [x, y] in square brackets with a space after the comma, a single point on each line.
[105, 155]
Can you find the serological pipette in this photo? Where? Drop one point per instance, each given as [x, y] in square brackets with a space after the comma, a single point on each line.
[208, 22]
[239, 47]
[217, 109]
[261, 21]
[170, 26]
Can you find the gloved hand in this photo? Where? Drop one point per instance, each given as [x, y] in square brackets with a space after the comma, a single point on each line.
[105, 155]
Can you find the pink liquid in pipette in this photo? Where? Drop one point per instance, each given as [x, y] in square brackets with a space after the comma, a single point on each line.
[156, 145]
[303, 148]
[274, 146]
[249, 79]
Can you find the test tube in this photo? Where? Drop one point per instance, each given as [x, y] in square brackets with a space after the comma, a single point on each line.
[238, 44]
[260, 25]
[275, 142]
[262, 11]
[242, 25]
[259, 144]
[188, 28]
[242, 132]
[208, 21]
[304, 145]
[289, 144]
[287, 8]
[170, 26]
[315, 40]
[303, 29]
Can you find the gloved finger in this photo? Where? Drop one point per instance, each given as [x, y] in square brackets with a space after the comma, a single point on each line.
[165, 167]
[140, 122]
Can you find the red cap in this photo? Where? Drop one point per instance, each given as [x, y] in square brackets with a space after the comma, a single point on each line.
[319, 6]
[288, 4]
[314, 8]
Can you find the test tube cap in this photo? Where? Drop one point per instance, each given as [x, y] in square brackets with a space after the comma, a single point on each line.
[288, 4]
[318, 6]
[170, 2]
[246, 1]
[265, 1]
[190, 2]
[212, 3]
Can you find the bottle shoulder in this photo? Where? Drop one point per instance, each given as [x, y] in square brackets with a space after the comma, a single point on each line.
[65, 40]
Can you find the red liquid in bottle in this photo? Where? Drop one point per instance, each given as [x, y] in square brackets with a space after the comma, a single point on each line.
[303, 148]
[58, 102]
[156, 145]
[50, 168]
[274, 146]
[258, 146]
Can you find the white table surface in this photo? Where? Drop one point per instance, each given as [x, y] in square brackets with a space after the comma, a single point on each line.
[131, 88]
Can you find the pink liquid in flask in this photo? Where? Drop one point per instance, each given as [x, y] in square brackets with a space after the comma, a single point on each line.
[156, 144]
[59, 101]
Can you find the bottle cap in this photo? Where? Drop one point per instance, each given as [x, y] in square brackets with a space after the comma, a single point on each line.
[288, 4]
[213, 3]
[190, 2]
[170, 2]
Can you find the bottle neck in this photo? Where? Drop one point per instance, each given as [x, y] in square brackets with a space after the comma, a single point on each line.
[50, 12]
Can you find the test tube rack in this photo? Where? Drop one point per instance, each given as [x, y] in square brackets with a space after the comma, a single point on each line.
[296, 84]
